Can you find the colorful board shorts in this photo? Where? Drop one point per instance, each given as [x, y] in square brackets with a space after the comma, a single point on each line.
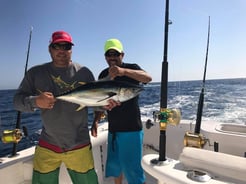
[79, 163]
[124, 156]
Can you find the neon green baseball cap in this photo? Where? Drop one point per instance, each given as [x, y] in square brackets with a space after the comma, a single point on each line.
[113, 44]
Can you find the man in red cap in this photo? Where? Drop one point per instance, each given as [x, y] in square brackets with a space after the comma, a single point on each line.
[65, 136]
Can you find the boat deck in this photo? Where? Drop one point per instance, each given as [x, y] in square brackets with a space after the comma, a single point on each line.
[149, 180]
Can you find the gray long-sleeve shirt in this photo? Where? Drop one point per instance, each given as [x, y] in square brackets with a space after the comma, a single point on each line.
[63, 126]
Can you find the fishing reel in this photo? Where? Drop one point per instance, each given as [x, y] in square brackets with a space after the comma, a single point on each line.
[13, 136]
[165, 116]
[194, 140]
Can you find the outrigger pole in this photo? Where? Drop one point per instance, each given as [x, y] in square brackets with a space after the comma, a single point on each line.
[201, 98]
[17, 125]
[164, 87]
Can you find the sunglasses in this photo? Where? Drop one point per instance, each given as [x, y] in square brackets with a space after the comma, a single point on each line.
[112, 54]
[57, 46]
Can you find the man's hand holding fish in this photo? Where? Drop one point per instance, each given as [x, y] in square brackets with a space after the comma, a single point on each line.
[111, 104]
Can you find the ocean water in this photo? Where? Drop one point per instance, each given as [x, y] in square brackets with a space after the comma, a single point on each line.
[224, 101]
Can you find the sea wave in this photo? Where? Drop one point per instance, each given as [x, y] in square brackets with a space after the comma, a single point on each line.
[224, 101]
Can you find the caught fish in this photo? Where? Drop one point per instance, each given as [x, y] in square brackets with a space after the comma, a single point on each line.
[98, 93]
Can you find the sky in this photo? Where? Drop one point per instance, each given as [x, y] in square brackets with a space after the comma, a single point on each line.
[139, 24]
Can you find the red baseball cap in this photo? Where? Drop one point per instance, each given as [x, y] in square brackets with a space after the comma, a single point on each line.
[61, 36]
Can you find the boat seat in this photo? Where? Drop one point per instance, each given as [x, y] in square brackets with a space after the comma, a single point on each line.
[215, 163]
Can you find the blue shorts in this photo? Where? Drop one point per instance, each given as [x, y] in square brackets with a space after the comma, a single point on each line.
[124, 156]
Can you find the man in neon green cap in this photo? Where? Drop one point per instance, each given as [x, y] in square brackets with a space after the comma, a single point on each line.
[125, 136]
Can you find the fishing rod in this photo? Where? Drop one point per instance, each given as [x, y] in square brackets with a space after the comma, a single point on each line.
[164, 86]
[17, 126]
[196, 139]
[164, 114]
[201, 98]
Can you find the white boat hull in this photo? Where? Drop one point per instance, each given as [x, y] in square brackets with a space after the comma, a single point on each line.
[231, 139]
[18, 169]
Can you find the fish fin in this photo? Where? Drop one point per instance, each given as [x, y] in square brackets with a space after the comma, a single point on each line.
[73, 85]
[39, 91]
[82, 83]
[110, 94]
[80, 107]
